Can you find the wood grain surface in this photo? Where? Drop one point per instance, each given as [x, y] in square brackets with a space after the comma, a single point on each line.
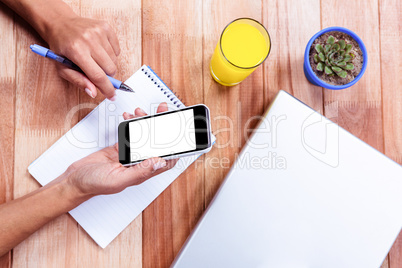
[172, 46]
[177, 39]
[42, 102]
[7, 109]
[125, 17]
[233, 106]
[390, 13]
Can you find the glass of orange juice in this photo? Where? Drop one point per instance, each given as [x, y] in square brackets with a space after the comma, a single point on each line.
[244, 44]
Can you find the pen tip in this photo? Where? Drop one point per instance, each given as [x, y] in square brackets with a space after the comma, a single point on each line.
[31, 46]
[126, 88]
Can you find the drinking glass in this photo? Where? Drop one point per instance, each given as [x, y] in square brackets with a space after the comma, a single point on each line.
[243, 46]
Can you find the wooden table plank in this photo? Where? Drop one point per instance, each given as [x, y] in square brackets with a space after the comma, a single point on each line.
[42, 101]
[391, 81]
[290, 32]
[7, 110]
[231, 107]
[125, 18]
[172, 46]
[358, 107]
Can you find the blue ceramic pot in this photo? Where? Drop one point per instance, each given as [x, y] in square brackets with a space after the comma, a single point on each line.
[308, 71]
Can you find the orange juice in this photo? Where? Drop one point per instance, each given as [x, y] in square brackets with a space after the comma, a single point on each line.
[243, 46]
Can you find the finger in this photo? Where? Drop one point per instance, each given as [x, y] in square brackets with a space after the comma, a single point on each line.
[104, 61]
[115, 147]
[139, 112]
[109, 50]
[141, 172]
[77, 79]
[127, 116]
[95, 74]
[162, 107]
[112, 152]
[114, 42]
[169, 164]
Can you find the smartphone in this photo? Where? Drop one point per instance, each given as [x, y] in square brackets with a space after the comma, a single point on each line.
[168, 135]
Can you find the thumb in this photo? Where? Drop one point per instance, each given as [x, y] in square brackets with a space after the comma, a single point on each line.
[141, 172]
[78, 79]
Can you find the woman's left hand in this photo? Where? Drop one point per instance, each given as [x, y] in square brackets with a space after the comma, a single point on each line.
[102, 173]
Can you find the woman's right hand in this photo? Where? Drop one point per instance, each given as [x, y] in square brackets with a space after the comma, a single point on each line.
[93, 46]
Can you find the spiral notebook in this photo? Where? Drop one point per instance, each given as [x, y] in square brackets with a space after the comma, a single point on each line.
[104, 217]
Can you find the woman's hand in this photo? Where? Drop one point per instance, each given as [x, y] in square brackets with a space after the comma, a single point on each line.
[101, 172]
[93, 46]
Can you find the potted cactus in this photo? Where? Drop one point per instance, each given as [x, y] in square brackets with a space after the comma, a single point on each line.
[335, 58]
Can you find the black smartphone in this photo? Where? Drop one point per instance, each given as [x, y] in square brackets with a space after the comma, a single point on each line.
[168, 135]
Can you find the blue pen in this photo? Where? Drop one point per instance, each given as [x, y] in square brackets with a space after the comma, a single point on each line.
[47, 53]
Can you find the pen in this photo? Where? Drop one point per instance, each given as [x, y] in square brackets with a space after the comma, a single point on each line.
[47, 53]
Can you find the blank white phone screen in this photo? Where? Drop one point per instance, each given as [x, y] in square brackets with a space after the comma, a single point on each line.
[162, 135]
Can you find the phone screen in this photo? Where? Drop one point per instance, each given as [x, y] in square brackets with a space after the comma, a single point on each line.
[162, 135]
[165, 135]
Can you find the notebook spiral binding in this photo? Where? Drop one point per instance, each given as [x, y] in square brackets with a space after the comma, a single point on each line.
[171, 95]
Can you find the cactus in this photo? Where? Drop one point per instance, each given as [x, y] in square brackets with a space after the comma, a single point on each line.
[334, 57]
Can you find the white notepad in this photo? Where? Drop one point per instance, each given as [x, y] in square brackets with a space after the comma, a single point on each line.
[104, 217]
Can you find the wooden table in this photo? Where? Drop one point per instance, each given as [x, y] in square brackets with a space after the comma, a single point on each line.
[177, 39]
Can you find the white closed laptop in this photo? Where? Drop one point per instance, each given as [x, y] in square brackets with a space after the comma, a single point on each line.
[303, 193]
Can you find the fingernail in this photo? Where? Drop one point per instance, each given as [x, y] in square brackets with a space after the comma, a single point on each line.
[89, 92]
[160, 164]
[113, 98]
[142, 111]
